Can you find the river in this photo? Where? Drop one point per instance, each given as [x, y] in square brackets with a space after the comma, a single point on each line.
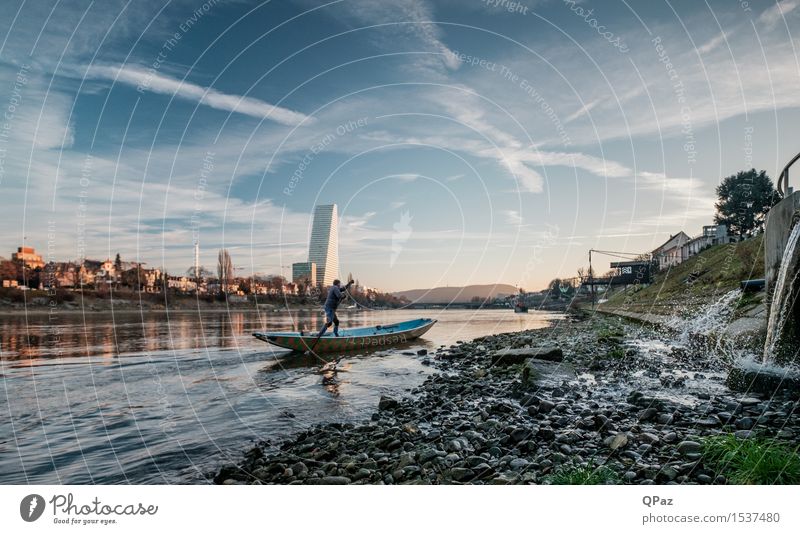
[166, 398]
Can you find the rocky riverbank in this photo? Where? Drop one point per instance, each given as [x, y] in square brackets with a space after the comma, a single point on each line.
[591, 399]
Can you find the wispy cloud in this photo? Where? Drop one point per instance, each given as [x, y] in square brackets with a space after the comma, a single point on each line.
[774, 14]
[410, 20]
[712, 43]
[513, 217]
[150, 80]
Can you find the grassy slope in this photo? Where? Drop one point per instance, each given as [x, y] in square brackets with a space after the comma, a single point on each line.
[700, 279]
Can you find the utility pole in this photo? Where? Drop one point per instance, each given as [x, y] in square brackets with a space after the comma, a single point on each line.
[591, 278]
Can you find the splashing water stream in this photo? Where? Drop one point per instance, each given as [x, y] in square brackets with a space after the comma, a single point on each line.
[783, 301]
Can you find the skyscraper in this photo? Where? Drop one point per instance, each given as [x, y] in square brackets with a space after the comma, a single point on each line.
[323, 248]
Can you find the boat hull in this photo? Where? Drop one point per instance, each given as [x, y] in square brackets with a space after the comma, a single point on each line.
[351, 339]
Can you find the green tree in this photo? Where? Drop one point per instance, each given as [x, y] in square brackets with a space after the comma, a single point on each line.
[743, 201]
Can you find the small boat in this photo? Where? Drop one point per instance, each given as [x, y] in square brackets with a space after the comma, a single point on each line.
[520, 308]
[351, 338]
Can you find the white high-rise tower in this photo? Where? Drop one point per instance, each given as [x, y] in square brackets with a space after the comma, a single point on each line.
[197, 259]
[323, 248]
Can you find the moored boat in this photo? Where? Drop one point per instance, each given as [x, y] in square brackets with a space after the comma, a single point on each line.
[349, 339]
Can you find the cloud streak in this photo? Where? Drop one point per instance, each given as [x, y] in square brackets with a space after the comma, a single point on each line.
[149, 80]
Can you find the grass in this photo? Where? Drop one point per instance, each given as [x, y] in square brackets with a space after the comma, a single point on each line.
[579, 476]
[610, 334]
[748, 300]
[713, 272]
[616, 353]
[753, 460]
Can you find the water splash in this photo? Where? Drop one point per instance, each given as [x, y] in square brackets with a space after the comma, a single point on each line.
[783, 298]
[709, 322]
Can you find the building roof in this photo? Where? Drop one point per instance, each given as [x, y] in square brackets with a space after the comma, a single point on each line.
[674, 241]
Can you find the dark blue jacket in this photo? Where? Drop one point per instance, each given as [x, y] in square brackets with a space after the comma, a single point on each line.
[335, 296]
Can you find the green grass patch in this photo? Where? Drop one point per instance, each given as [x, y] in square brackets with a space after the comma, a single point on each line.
[753, 460]
[617, 353]
[712, 273]
[748, 300]
[579, 476]
[610, 334]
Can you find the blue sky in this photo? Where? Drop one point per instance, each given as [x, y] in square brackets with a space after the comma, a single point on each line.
[464, 141]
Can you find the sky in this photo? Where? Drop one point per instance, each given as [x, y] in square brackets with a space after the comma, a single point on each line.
[464, 141]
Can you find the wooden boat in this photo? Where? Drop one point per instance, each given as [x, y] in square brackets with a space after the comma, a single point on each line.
[519, 307]
[368, 337]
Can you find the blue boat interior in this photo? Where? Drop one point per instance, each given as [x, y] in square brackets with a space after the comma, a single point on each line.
[364, 331]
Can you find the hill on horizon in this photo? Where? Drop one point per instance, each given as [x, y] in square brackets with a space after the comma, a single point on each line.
[457, 294]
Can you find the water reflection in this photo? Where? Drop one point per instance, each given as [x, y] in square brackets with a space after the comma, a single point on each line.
[167, 397]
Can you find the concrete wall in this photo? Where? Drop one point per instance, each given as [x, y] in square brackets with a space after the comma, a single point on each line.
[776, 235]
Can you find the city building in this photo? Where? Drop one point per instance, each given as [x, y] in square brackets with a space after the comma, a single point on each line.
[669, 254]
[61, 274]
[716, 234]
[304, 273]
[27, 256]
[323, 248]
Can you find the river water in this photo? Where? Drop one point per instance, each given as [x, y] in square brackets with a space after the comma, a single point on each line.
[166, 398]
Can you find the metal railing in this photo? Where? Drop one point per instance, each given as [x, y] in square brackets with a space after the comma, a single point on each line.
[783, 179]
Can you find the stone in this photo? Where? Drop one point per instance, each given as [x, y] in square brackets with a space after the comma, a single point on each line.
[616, 442]
[668, 473]
[427, 455]
[648, 414]
[670, 437]
[329, 480]
[689, 447]
[519, 434]
[647, 437]
[387, 403]
[361, 474]
[461, 474]
[422, 352]
[708, 422]
[745, 423]
[453, 446]
[516, 356]
[518, 463]
[545, 406]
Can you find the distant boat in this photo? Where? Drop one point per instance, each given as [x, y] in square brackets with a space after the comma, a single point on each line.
[519, 307]
[351, 338]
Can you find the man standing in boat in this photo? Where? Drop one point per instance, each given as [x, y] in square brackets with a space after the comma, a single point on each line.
[335, 296]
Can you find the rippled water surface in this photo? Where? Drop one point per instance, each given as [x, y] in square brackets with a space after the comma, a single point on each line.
[165, 398]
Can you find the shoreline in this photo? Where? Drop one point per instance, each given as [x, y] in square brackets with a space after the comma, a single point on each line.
[562, 404]
[38, 310]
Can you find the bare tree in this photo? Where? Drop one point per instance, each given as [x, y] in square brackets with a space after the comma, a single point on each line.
[224, 269]
[200, 272]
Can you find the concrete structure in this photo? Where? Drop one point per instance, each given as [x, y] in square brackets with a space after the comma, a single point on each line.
[776, 235]
[304, 273]
[669, 254]
[323, 248]
[27, 256]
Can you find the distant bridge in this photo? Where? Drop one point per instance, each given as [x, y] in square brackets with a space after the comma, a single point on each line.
[453, 305]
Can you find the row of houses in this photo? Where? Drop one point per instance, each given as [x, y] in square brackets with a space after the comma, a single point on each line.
[680, 247]
[27, 268]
